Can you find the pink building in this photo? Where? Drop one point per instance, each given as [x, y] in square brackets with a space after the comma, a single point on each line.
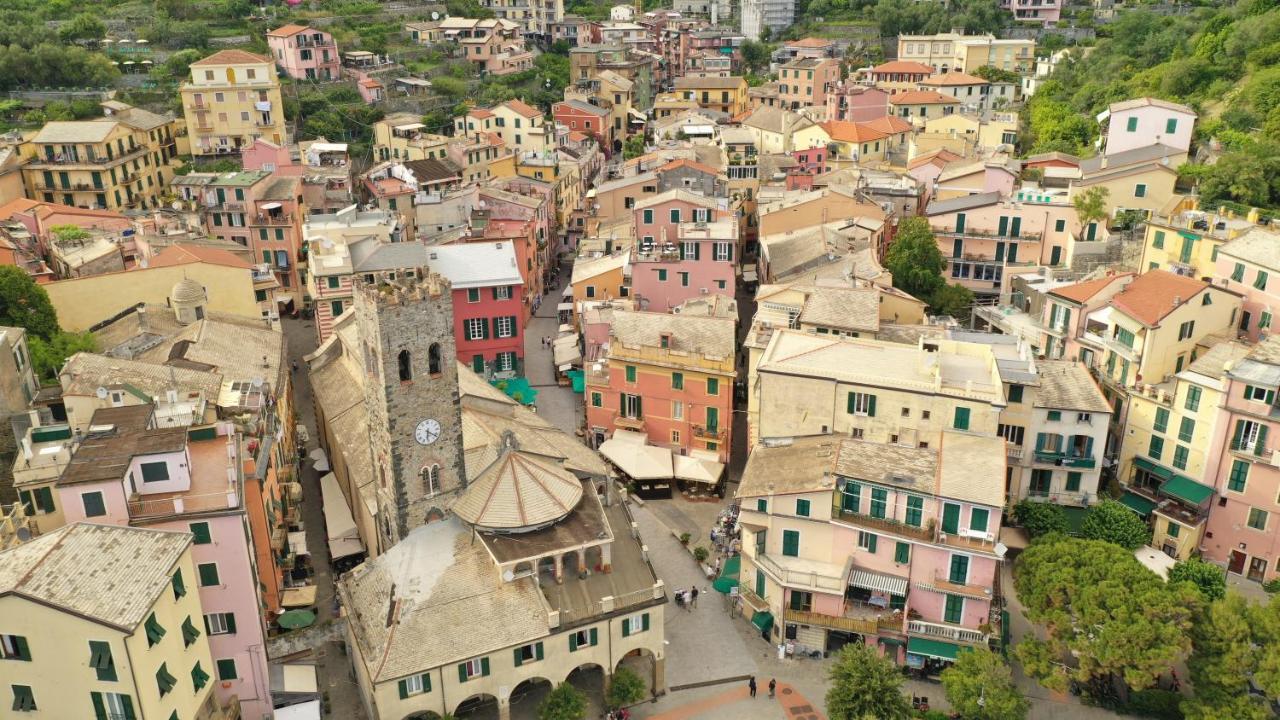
[856, 103]
[1147, 121]
[305, 53]
[324, 167]
[1241, 532]
[371, 90]
[488, 318]
[1067, 307]
[1035, 12]
[1250, 266]
[656, 219]
[669, 377]
[982, 234]
[700, 261]
[811, 160]
[183, 480]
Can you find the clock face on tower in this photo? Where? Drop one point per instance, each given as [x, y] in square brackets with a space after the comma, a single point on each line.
[427, 431]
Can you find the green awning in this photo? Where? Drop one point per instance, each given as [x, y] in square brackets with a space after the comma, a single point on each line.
[728, 579]
[932, 648]
[763, 620]
[578, 379]
[1186, 489]
[1153, 468]
[295, 619]
[1137, 503]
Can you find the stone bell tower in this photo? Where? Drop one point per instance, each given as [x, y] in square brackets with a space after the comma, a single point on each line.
[405, 319]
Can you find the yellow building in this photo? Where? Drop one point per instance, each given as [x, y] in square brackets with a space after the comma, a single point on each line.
[1142, 179]
[233, 99]
[105, 621]
[599, 279]
[987, 132]
[725, 94]
[228, 281]
[1170, 432]
[103, 164]
[402, 136]
[1186, 240]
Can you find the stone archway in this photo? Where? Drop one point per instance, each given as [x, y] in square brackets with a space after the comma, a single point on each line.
[424, 715]
[477, 707]
[591, 679]
[644, 663]
[595, 559]
[527, 696]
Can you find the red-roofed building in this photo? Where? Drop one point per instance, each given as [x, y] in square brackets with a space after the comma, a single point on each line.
[305, 53]
[856, 142]
[587, 118]
[38, 217]
[1066, 308]
[898, 76]
[922, 104]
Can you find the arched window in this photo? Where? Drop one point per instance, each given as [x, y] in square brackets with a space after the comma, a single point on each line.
[433, 359]
[431, 479]
[406, 372]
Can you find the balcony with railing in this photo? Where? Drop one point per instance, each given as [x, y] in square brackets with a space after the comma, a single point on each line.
[973, 540]
[983, 235]
[752, 600]
[942, 583]
[278, 219]
[709, 433]
[948, 632]
[1060, 459]
[885, 524]
[629, 423]
[64, 159]
[865, 626]
[795, 572]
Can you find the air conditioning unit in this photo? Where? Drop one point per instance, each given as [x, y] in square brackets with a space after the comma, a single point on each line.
[702, 291]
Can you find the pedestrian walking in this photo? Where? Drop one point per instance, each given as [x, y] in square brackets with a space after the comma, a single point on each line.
[773, 686]
[751, 685]
[295, 366]
[694, 602]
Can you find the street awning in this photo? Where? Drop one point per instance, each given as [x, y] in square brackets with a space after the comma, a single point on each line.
[309, 710]
[762, 620]
[1137, 503]
[564, 307]
[344, 538]
[749, 276]
[321, 460]
[696, 469]
[868, 580]
[298, 543]
[729, 573]
[1153, 468]
[939, 649]
[565, 351]
[637, 459]
[270, 206]
[1186, 489]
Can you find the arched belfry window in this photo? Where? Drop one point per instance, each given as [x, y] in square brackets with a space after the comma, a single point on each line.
[406, 372]
[433, 359]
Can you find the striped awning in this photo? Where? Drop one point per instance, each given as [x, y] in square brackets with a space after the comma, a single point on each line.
[880, 583]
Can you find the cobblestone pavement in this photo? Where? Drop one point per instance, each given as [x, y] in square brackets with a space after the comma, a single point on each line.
[337, 678]
[559, 405]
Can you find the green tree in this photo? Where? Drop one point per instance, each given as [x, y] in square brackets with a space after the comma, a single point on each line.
[69, 233]
[48, 356]
[1040, 518]
[1102, 609]
[1114, 522]
[633, 147]
[25, 304]
[1207, 577]
[755, 55]
[979, 686]
[915, 260]
[991, 73]
[865, 685]
[565, 702]
[84, 26]
[1233, 641]
[625, 688]
[1091, 205]
[952, 300]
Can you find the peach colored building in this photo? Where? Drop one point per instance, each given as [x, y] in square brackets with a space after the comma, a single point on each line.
[898, 76]
[669, 377]
[883, 544]
[1250, 265]
[806, 81]
[305, 53]
[1241, 532]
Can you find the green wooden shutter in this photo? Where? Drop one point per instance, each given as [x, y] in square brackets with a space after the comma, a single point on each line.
[760, 586]
[978, 519]
[871, 406]
[902, 553]
[537, 650]
[44, 495]
[959, 569]
[99, 708]
[644, 621]
[950, 518]
[1015, 227]
[626, 627]
[791, 543]
[484, 667]
[231, 623]
[1004, 226]
[872, 540]
[462, 672]
[802, 507]
[127, 703]
[28, 504]
[518, 659]
[573, 642]
[849, 407]
[961, 419]
[1238, 436]
[1262, 440]
[404, 689]
[594, 637]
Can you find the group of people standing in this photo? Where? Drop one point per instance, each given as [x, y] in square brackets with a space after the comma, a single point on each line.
[773, 686]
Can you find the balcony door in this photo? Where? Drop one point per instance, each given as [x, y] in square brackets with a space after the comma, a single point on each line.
[951, 518]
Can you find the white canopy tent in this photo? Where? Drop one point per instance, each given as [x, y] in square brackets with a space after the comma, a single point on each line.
[344, 538]
[629, 451]
[697, 469]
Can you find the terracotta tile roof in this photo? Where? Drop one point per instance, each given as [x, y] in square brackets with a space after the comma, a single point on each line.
[288, 30]
[1081, 292]
[480, 113]
[903, 66]
[523, 109]
[939, 157]
[953, 78]
[16, 206]
[922, 97]
[231, 57]
[845, 131]
[889, 125]
[370, 83]
[1155, 294]
[183, 254]
[578, 135]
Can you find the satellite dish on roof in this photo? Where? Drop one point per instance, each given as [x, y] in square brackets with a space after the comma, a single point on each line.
[435, 15]
[101, 393]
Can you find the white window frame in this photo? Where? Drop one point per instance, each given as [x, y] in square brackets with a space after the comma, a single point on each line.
[864, 539]
[216, 623]
[1255, 394]
[114, 704]
[413, 685]
[721, 252]
[630, 406]
[634, 624]
[690, 249]
[506, 327]
[505, 361]
[8, 647]
[677, 410]
[1084, 418]
[583, 638]
[502, 292]
[861, 404]
[474, 668]
[1249, 437]
[475, 328]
